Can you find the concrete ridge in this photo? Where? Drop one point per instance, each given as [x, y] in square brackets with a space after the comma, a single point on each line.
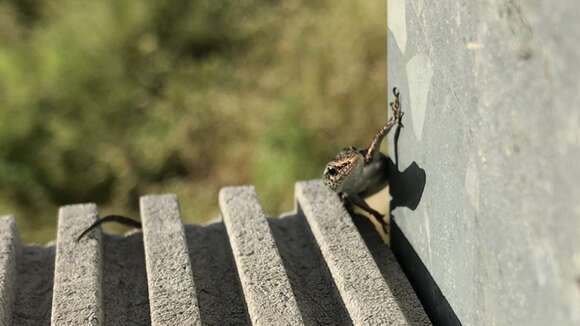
[264, 280]
[77, 293]
[366, 295]
[172, 295]
[9, 250]
[309, 267]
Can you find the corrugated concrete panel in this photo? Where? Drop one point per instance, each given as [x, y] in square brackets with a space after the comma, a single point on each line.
[77, 294]
[248, 270]
[172, 293]
[264, 280]
[366, 295]
[9, 251]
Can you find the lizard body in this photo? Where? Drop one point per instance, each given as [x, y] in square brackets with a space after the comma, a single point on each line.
[357, 173]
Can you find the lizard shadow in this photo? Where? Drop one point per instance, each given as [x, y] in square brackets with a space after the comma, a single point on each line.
[406, 187]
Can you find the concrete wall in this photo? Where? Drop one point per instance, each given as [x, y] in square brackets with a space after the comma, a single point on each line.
[491, 94]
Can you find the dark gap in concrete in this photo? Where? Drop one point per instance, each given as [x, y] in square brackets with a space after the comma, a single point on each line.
[125, 294]
[436, 305]
[34, 286]
[219, 291]
[318, 299]
[390, 271]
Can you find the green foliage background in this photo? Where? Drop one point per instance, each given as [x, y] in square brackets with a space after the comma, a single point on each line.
[104, 101]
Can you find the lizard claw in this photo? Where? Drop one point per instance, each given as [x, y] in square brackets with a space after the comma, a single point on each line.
[396, 108]
[397, 113]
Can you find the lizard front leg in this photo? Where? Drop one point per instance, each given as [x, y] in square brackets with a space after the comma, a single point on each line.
[393, 120]
[362, 204]
[375, 217]
[349, 203]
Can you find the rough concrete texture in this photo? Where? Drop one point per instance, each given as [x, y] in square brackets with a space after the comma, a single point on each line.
[35, 281]
[266, 287]
[219, 292]
[391, 271]
[317, 296]
[9, 249]
[77, 293]
[492, 95]
[366, 294]
[125, 296]
[172, 293]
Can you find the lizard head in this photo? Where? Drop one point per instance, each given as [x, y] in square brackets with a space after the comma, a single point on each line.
[344, 171]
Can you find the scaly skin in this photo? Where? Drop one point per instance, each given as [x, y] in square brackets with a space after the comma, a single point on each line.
[357, 173]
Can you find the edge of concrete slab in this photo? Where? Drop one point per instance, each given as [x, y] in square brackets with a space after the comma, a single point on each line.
[9, 248]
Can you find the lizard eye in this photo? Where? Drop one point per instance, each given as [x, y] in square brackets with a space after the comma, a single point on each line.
[332, 171]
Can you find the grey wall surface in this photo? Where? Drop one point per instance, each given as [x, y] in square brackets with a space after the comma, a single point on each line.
[491, 94]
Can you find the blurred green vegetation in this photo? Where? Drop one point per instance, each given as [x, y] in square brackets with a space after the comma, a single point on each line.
[104, 101]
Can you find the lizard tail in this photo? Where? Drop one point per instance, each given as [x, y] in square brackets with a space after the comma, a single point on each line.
[111, 218]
